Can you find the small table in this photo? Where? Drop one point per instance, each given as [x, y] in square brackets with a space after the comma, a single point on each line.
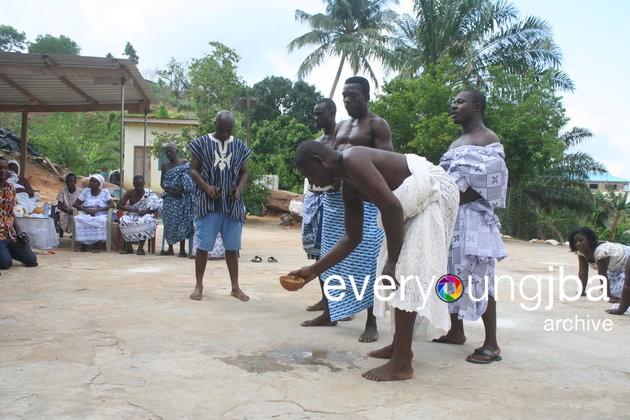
[41, 231]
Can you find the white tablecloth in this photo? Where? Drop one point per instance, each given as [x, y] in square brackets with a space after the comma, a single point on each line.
[41, 231]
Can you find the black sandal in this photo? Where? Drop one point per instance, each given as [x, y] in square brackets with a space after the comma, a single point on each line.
[271, 260]
[256, 259]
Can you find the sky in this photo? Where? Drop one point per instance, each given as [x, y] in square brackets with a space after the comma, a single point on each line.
[591, 35]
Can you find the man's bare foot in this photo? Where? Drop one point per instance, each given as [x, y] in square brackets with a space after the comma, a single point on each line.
[382, 353]
[450, 338]
[370, 335]
[239, 294]
[390, 371]
[320, 321]
[196, 295]
[319, 306]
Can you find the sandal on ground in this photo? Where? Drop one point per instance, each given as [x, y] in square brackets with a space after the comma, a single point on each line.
[126, 251]
[182, 255]
[162, 252]
[256, 259]
[271, 259]
[140, 252]
[483, 356]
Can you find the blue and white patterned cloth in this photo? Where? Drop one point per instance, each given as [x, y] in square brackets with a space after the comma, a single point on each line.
[221, 166]
[177, 212]
[312, 218]
[359, 264]
[477, 239]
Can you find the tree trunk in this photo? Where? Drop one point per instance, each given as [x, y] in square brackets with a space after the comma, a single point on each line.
[337, 76]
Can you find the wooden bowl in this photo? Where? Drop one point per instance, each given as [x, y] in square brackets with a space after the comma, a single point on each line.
[291, 283]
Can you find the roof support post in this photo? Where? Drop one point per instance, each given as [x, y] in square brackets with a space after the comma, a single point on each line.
[23, 146]
[122, 135]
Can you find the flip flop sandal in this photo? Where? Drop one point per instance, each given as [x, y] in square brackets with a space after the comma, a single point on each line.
[491, 357]
[256, 259]
[140, 252]
[271, 259]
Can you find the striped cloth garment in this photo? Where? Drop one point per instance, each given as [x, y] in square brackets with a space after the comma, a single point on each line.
[359, 264]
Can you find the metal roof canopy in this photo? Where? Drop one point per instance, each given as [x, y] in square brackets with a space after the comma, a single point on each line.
[70, 83]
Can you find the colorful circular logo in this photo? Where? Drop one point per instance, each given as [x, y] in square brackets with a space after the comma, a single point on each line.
[449, 288]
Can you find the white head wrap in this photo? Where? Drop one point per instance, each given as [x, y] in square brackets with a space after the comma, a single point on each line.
[16, 164]
[99, 178]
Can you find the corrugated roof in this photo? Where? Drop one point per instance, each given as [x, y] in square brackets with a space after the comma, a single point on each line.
[605, 177]
[70, 83]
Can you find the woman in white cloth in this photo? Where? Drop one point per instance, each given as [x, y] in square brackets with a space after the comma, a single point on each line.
[24, 192]
[138, 223]
[91, 223]
[610, 259]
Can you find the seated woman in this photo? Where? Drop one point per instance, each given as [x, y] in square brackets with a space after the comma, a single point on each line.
[611, 260]
[65, 202]
[91, 223]
[24, 192]
[138, 223]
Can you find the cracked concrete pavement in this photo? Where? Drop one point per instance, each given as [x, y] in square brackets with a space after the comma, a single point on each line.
[116, 336]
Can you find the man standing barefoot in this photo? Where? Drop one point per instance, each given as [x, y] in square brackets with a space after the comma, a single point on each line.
[418, 204]
[364, 128]
[218, 165]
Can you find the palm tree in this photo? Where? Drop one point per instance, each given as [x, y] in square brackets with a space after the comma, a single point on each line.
[474, 35]
[351, 29]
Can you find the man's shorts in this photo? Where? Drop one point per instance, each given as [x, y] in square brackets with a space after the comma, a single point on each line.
[207, 228]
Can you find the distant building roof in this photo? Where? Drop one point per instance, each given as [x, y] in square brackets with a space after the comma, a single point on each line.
[605, 177]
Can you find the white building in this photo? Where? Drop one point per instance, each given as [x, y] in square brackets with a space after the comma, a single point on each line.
[137, 148]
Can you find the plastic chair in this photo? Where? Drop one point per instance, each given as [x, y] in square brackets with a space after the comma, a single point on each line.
[108, 238]
[118, 241]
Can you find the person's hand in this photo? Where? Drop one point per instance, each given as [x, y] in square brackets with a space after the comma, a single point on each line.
[22, 238]
[213, 192]
[305, 273]
[389, 270]
[235, 193]
[177, 192]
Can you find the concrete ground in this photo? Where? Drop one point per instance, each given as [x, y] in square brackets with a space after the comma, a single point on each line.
[116, 336]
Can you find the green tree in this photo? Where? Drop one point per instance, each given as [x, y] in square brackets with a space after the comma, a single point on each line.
[277, 96]
[214, 83]
[418, 112]
[474, 35]
[82, 142]
[354, 30]
[130, 52]
[48, 44]
[11, 40]
[273, 149]
[545, 180]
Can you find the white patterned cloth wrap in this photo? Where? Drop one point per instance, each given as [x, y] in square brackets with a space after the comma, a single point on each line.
[360, 264]
[92, 229]
[616, 274]
[429, 199]
[477, 242]
[136, 228]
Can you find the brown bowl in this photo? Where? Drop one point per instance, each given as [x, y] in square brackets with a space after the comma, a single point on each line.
[292, 283]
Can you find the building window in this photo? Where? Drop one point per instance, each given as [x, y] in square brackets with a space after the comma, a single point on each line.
[592, 186]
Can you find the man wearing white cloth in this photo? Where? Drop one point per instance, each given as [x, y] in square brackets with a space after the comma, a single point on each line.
[418, 204]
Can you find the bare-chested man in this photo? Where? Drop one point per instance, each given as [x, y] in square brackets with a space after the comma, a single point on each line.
[364, 128]
[417, 201]
[324, 114]
[476, 162]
